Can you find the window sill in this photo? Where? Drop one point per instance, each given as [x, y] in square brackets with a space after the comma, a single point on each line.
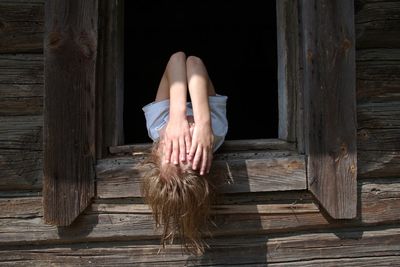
[240, 166]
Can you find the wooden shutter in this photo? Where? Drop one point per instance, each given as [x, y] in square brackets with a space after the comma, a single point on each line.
[70, 49]
[328, 47]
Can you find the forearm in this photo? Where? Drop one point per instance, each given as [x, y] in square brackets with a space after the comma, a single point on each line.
[199, 97]
[178, 91]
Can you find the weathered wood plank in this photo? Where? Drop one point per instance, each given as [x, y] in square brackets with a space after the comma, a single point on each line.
[379, 204]
[21, 152]
[70, 53]
[379, 115]
[227, 146]
[378, 164]
[21, 27]
[377, 24]
[217, 209]
[347, 245]
[241, 172]
[21, 84]
[380, 200]
[21, 69]
[288, 68]
[21, 99]
[21, 132]
[22, 207]
[378, 139]
[378, 75]
[110, 77]
[330, 103]
[21, 169]
[378, 98]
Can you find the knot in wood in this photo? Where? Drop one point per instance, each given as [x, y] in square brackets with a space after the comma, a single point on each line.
[346, 44]
[54, 40]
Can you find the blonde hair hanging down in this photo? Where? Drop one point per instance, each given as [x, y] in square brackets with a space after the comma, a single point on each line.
[180, 200]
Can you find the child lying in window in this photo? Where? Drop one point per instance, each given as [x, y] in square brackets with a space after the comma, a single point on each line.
[185, 135]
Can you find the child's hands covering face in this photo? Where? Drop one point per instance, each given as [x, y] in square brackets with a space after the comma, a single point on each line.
[176, 140]
[201, 149]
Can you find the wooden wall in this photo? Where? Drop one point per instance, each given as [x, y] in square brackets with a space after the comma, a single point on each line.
[294, 230]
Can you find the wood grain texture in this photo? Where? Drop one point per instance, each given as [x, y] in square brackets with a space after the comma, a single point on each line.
[288, 68]
[21, 152]
[346, 246]
[378, 75]
[21, 27]
[379, 204]
[21, 69]
[330, 104]
[378, 164]
[110, 77]
[69, 114]
[233, 172]
[377, 24]
[378, 112]
[21, 85]
[227, 146]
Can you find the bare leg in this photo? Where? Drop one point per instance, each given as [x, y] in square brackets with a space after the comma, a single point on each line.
[174, 75]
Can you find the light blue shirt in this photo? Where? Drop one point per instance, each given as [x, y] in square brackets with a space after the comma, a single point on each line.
[157, 114]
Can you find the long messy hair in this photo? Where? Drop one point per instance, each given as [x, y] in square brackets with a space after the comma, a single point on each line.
[180, 200]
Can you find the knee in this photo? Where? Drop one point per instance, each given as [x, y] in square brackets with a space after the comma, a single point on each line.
[194, 62]
[178, 57]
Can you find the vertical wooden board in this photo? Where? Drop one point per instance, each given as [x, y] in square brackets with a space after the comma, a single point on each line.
[110, 77]
[70, 52]
[289, 82]
[328, 43]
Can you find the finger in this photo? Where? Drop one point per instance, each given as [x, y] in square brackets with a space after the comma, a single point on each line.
[192, 151]
[167, 151]
[175, 151]
[182, 149]
[188, 143]
[209, 161]
[197, 158]
[204, 162]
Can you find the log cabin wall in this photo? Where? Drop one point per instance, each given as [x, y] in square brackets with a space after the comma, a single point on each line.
[286, 228]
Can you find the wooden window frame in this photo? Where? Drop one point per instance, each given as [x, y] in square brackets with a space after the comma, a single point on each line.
[316, 149]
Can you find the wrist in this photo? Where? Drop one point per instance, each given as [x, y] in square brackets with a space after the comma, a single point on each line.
[203, 121]
[178, 112]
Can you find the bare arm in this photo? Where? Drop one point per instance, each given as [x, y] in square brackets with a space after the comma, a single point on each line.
[177, 136]
[202, 138]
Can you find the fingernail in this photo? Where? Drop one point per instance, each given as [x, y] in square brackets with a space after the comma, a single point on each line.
[175, 162]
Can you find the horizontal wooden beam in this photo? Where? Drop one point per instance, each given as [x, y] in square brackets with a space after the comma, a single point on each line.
[21, 152]
[377, 24]
[379, 204]
[350, 246]
[234, 173]
[21, 85]
[228, 145]
[21, 69]
[382, 164]
[22, 27]
[378, 75]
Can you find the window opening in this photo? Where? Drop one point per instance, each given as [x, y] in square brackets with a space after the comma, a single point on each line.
[237, 42]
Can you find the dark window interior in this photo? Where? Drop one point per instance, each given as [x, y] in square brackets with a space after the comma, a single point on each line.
[237, 42]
